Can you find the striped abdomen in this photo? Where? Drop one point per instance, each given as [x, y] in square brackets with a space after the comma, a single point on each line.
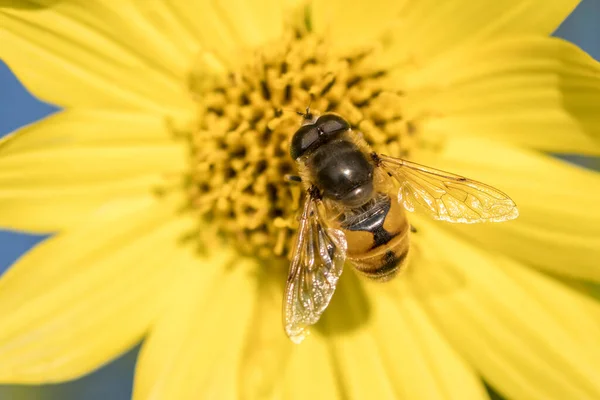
[377, 237]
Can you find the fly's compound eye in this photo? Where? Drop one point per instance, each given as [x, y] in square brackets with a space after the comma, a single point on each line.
[310, 136]
[331, 124]
[304, 138]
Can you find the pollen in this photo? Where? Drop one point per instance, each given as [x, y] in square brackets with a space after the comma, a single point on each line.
[239, 144]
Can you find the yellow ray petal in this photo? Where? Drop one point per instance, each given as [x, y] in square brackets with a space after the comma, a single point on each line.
[194, 349]
[431, 368]
[535, 92]
[81, 298]
[98, 53]
[528, 335]
[271, 365]
[558, 228]
[311, 373]
[350, 25]
[267, 350]
[223, 28]
[427, 29]
[357, 358]
[53, 173]
[385, 347]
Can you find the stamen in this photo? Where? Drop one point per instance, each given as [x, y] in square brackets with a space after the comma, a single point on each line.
[240, 164]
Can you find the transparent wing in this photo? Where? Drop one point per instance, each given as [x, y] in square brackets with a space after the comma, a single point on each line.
[317, 263]
[447, 196]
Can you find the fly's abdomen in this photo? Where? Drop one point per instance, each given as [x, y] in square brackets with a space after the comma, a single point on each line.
[377, 236]
[384, 264]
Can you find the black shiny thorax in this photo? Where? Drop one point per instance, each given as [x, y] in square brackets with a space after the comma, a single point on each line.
[341, 171]
[336, 165]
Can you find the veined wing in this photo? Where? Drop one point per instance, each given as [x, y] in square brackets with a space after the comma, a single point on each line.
[317, 263]
[447, 196]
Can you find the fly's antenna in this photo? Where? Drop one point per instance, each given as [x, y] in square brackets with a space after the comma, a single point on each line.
[306, 116]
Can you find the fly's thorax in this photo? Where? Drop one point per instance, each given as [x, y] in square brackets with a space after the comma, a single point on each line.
[378, 237]
[341, 171]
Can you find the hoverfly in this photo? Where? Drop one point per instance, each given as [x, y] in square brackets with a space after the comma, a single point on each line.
[354, 209]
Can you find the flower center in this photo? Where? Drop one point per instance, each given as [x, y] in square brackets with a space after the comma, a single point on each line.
[240, 143]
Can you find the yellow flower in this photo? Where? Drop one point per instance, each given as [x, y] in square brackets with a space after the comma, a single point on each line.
[163, 178]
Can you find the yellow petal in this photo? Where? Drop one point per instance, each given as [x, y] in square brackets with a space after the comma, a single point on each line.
[535, 92]
[385, 347]
[55, 172]
[98, 53]
[428, 29]
[431, 368]
[271, 366]
[358, 359]
[528, 335]
[350, 25]
[558, 228]
[267, 350]
[311, 372]
[81, 298]
[194, 350]
[227, 29]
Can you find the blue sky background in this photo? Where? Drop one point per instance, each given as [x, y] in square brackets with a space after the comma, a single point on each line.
[18, 108]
